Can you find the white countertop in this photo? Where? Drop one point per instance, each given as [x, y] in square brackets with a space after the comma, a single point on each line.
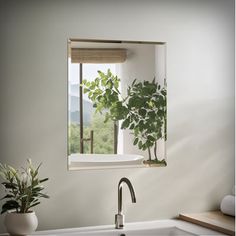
[189, 227]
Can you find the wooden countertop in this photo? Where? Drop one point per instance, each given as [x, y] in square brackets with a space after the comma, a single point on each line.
[214, 220]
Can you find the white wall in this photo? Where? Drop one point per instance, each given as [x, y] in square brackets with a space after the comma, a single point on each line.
[200, 72]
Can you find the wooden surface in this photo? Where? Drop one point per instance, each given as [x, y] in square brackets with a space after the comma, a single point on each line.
[214, 220]
[98, 55]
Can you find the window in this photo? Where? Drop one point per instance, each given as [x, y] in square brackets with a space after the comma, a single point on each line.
[87, 131]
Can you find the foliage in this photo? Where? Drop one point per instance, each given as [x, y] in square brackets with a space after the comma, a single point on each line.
[74, 138]
[23, 189]
[143, 110]
[103, 136]
[147, 114]
[105, 95]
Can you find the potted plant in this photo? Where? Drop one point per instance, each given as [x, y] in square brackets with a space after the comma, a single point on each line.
[147, 106]
[23, 191]
[143, 110]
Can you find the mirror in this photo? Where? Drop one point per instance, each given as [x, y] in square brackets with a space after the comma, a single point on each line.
[117, 105]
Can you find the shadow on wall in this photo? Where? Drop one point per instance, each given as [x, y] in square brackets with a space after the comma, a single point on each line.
[177, 187]
[202, 140]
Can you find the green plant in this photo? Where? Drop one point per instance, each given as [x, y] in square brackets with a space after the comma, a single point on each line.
[146, 102]
[23, 189]
[105, 95]
[143, 110]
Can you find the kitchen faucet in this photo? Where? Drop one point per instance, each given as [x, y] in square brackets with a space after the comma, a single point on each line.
[120, 218]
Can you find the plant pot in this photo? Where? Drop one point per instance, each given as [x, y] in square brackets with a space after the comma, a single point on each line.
[21, 223]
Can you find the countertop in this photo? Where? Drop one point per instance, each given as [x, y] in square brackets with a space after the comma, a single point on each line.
[215, 220]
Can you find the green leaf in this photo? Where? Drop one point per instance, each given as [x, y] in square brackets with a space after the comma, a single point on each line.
[9, 205]
[37, 169]
[151, 138]
[9, 185]
[13, 171]
[43, 195]
[163, 92]
[35, 204]
[43, 180]
[133, 83]
[144, 147]
[142, 112]
[21, 197]
[37, 189]
[7, 196]
[152, 114]
[132, 126]
[140, 144]
[149, 143]
[86, 90]
[135, 141]
[125, 124]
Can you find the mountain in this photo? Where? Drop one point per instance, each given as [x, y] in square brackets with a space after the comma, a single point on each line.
[74, 89]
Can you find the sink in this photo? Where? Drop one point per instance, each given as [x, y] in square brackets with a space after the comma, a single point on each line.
[169, 231]
[148, 228]
[165, 231]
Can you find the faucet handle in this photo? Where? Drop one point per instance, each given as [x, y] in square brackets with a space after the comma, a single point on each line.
[119, 221]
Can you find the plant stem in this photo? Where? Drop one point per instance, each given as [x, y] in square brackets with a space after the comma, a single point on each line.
[155, 150]
[149, 154]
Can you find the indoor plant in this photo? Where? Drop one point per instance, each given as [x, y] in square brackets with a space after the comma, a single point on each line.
[146, 103]
[143, 110]
[23, 190]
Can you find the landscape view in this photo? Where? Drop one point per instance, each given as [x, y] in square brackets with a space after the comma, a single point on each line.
[103, 141]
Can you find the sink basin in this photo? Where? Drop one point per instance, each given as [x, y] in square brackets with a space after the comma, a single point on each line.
[165, 231]
[170, 231]
[148, 228]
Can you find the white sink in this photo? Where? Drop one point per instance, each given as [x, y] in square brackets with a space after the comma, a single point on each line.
[170, 231]
[149, 228]
[167, 231]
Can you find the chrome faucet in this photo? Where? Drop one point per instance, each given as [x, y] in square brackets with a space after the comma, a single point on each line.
[120, 218]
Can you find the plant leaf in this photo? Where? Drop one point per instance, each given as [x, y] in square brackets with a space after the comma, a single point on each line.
[135, 141]
[9, 205]
[43, 180]
[7, 196]
[43, 195]
[35, 204]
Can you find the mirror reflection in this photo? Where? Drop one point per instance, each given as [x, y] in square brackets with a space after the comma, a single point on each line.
[116, 104]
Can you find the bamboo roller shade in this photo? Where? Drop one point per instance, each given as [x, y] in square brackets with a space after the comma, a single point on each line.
[98, 55]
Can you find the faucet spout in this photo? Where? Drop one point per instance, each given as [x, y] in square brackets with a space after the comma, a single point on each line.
[131, 189]
[119, 220]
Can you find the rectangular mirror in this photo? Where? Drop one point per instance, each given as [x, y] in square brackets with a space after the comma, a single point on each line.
[117, 104]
